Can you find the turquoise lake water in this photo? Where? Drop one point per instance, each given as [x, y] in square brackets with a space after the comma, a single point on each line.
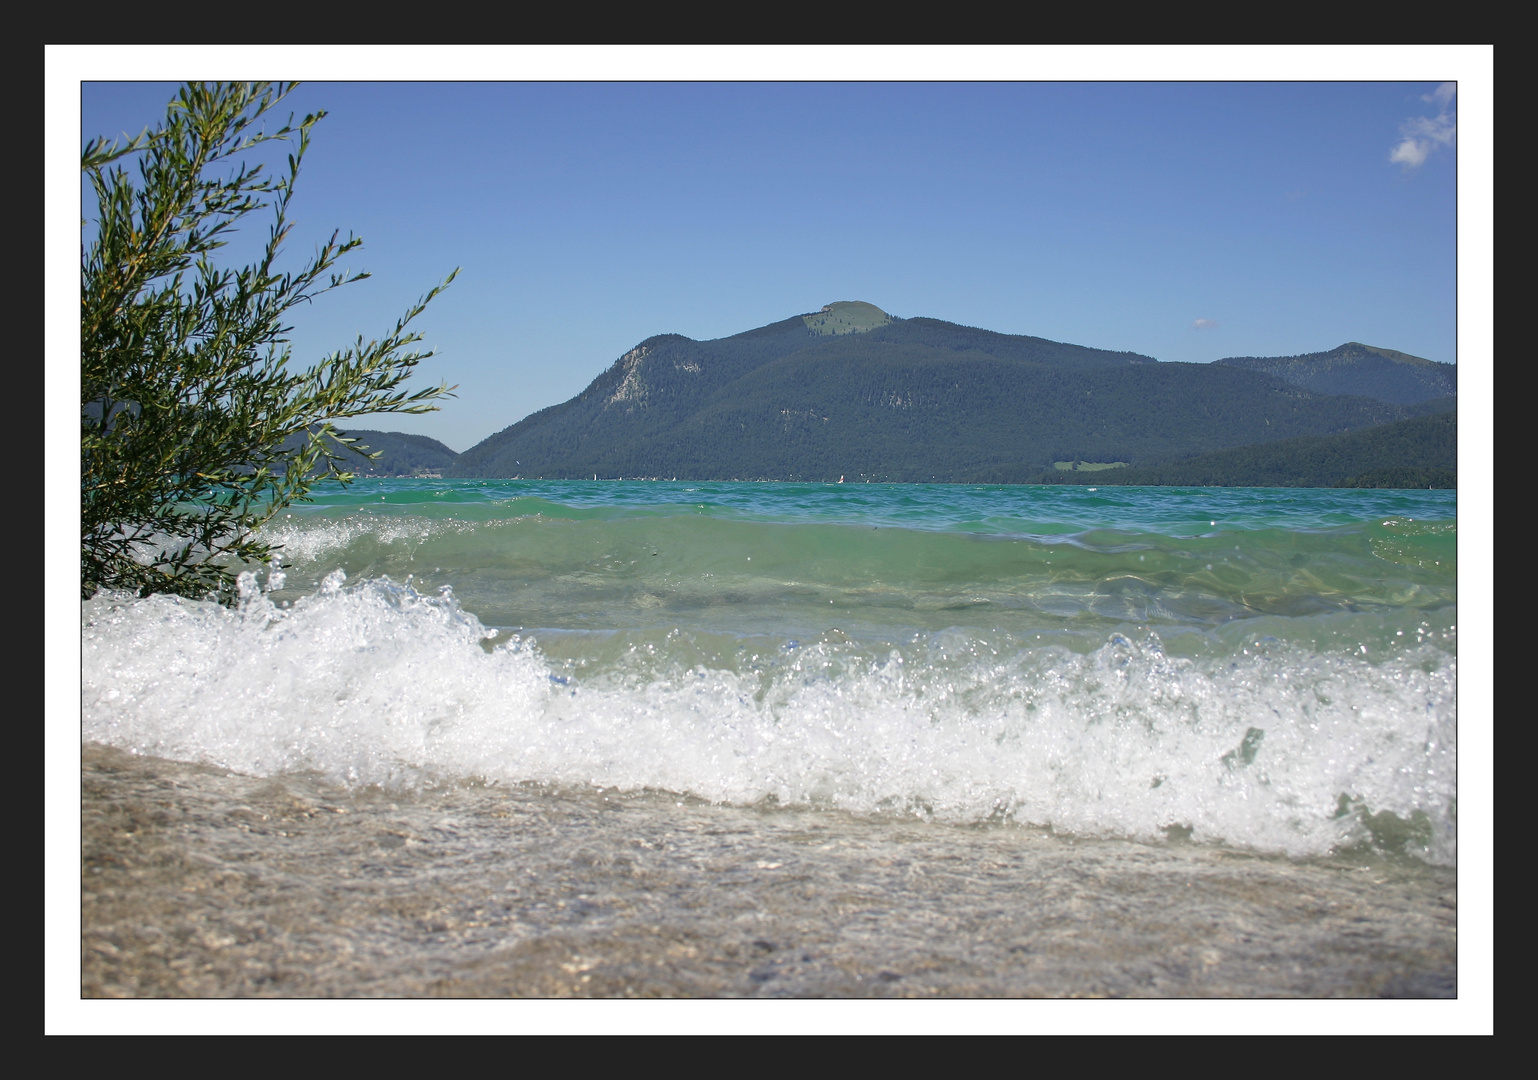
[1268, 668]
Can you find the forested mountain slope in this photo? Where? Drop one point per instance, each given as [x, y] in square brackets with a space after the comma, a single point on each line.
[852, 391]
[399, 454]
[1363, 370]
[1418, 452]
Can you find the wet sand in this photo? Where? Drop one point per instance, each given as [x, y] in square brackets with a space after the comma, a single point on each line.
[198, 883]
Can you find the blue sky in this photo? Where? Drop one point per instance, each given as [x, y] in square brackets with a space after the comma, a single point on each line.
[1185, 220]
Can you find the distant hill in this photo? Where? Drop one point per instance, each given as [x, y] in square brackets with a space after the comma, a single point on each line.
[1363, 370]
[853, 391]
[1419, 452]
[400, 454]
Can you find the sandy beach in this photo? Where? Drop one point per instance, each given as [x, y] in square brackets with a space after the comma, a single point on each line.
[199, 883]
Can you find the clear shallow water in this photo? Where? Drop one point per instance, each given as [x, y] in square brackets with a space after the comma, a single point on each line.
[203, 883]
[1273, 669]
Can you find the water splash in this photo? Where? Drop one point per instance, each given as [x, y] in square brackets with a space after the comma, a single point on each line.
[1254, 743]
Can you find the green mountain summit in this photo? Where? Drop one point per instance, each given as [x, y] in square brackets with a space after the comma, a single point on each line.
[846, 317]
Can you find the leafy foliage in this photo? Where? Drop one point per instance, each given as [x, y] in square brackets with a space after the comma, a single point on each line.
[188, 400]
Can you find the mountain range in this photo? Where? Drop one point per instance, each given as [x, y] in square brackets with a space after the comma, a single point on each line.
[852, 391]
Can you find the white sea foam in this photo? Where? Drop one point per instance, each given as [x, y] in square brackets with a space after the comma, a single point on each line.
[373, 683]
[308, 539]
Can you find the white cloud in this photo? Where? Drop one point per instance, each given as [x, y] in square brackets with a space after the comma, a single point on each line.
[1203, 324]
[1443, 95]
[1424, 134]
